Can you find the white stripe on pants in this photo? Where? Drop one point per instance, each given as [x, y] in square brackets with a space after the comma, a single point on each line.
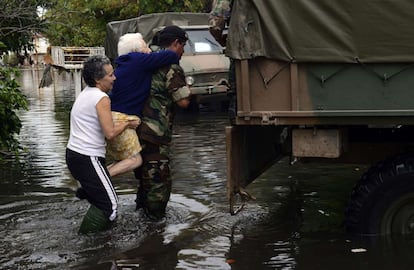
[106, 182]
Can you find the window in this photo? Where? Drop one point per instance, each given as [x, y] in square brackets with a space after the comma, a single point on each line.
[201, 41]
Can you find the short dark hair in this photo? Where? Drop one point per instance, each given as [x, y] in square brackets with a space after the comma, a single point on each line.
[168, 35]
[93, 69]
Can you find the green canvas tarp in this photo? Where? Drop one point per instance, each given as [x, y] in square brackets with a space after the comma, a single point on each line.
[345, 31]
[146, 25]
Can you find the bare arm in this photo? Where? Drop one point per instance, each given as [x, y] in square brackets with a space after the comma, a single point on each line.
[103, 107]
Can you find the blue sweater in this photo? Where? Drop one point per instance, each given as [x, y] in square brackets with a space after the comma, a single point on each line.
[133, 79]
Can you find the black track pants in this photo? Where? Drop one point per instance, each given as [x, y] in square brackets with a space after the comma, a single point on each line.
[95, 181]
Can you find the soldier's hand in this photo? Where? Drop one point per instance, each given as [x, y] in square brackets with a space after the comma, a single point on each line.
[218, 35]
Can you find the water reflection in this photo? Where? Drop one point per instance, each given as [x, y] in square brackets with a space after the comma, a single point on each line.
[295, 223]
[43, 136]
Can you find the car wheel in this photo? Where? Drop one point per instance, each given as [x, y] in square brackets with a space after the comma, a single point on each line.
[382, 202]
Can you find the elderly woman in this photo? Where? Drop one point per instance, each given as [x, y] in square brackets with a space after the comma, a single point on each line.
[134, 67]
[90, 124]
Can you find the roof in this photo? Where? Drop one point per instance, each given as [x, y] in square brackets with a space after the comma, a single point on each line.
[146, 25]
[368, 31]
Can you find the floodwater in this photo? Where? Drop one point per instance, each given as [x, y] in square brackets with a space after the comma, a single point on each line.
[294, 223]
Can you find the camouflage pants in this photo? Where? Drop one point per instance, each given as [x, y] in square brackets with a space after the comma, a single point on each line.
[154, 178]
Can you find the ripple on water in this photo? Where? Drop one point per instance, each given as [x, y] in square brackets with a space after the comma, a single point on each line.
[40, 216]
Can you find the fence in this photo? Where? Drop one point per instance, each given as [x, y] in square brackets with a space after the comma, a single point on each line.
[73, 57]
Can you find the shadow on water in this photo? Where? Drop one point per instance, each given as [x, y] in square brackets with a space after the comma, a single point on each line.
[295, 222]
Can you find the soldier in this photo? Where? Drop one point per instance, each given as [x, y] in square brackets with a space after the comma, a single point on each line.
[134, 67]
[218, 21]
[168, 87]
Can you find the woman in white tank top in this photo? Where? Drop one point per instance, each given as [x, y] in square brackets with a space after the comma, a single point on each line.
[91, 125]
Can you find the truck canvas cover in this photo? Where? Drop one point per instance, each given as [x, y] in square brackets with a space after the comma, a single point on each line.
[342, 31]
[146, 25]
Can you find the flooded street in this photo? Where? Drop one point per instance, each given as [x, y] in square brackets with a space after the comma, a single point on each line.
[294, 223]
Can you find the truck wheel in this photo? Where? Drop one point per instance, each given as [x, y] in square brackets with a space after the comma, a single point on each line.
[382, 202]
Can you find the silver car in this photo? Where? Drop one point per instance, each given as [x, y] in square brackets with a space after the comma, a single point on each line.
[204, 62]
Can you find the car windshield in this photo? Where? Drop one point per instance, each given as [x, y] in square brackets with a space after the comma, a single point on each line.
[201, 41]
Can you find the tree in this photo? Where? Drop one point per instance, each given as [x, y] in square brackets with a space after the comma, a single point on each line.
[148, 6]
[18, 22]
[83, 23]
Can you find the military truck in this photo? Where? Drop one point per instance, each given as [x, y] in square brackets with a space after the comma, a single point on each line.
[204, 63]
[327, 80]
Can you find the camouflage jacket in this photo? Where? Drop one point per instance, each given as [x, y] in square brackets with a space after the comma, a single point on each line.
[167, 86]
[218, 18]
[220, 14]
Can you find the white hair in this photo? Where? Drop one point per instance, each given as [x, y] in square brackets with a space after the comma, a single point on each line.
[131, 42]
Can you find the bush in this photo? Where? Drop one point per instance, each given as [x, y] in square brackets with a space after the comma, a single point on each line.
[11, 100]
[11, 59]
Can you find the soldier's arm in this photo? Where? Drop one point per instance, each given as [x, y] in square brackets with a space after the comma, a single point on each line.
[177, 86]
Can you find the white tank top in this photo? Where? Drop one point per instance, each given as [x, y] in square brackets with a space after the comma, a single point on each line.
[86, 134]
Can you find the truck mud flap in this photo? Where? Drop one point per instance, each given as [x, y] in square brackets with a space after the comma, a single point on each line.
[250, 151]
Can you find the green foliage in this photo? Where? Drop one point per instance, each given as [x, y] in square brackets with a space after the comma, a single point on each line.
[83, 23]
[3, 47]
[11, 101]
[11, 59]
[18, 22]
[148, 6]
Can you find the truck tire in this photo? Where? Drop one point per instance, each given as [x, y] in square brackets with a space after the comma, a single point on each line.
[382, 202]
